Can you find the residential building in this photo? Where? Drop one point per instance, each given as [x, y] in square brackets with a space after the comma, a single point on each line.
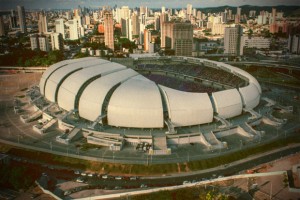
[22, 19]
[294, 44]
[238, 15]
[179, 37]
[34, 42]
[232, 41]
[57, 41]
[60, 27]
[75, 31]
[256, 42]
[42, 23]
[109, 29]
[183, 39]
[44, 43]
[2, 30]
[135, 24]
[12, 20]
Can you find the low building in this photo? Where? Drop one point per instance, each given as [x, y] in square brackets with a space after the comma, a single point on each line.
[294, 44]
[40, 42]
[256, 42]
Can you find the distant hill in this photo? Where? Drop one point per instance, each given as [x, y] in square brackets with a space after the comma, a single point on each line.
[288, 10]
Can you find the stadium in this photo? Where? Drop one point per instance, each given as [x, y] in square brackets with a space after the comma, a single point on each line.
[155, 103]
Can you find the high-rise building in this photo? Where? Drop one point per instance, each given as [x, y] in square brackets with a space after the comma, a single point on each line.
[22, 19]
[163, 18]
[122, 13]
[189, 9]
[199, 15]
[294, 44]
[87, 19]
[167, 35]
[157, 23]
[238, 15]
[273, 24]
[183, 39]
[57, 41]
[12, 20]
[144, 10]
[273, 15]
[135, 24]
[229, 16]
[126, 28]
[232, 41]
[73, 29]
[163, 9]
[147, 39]
[179, 37]
[43, 23]
[60, 27]
[2, 30]
[194, 12]
[109, 29]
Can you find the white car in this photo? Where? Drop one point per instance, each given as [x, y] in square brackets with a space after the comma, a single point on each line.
[186, 182]
[79, 180]
[118, 178]
[105, 176]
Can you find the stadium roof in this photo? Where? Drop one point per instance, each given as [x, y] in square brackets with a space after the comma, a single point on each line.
[99, 87]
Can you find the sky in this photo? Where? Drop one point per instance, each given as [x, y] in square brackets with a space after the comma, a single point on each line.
[69, 4]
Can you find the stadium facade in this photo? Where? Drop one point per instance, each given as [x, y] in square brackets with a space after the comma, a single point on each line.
[111, 94]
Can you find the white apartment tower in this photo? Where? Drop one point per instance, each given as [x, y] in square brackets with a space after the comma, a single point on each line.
[57, 41]
[44, 43]
[60, 27]
[189, 9]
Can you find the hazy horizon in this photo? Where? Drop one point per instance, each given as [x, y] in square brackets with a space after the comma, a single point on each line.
[69, 4]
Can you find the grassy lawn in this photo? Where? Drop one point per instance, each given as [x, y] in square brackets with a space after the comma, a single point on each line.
[116, 168]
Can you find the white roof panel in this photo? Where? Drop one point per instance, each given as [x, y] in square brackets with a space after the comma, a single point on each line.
[187, 108]
[60, 74]
[92, 98]
[250, 96]
[136, 103]
[56, 66]
[75, 81]
[228, 103]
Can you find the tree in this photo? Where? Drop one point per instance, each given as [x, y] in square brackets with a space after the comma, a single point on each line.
[250, 32]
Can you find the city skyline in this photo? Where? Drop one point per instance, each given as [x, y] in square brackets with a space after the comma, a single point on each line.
[69, 4]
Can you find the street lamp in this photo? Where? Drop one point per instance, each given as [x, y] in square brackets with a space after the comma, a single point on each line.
[51, 145]
[113, 156]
